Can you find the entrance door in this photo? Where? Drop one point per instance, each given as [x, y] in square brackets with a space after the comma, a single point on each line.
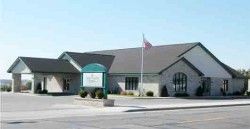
[66, 84]
[206, 85]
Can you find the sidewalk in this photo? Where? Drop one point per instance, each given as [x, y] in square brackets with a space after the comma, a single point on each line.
[189, 106]
[136, 104]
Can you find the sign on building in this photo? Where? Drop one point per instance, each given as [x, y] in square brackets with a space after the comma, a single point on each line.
[95, 76]
[92, 80]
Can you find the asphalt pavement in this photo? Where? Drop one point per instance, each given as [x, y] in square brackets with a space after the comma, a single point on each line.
[205, 118]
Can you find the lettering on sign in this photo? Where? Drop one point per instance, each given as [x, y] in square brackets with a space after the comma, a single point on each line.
[92, 79]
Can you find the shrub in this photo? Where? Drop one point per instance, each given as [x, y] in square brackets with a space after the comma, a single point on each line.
[164, 92]
[92, 95]
[83, 93]
[6, 88]
[99, 94]
[248, 93]
[39, 91]
[150, 93]
[92, 92]
[123, 93]
[181, 94]
[130, 93]
[237, 93]
[45, 91]
[199, 91]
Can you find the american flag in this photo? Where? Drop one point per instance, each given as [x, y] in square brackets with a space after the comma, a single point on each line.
[147, 44]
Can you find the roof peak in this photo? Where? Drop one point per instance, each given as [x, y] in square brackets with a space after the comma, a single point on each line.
[40, 58]
[91, 52]
[178, 44]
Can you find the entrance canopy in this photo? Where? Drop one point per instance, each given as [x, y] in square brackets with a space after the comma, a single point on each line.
[34, 66]
[26, 65]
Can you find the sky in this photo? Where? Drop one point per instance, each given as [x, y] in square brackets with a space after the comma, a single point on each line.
[46, 28]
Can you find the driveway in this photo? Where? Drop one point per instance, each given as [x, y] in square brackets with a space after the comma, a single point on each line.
[28, 102]
[20, 106]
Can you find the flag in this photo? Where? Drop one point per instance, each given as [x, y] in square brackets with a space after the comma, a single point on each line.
[147, 44]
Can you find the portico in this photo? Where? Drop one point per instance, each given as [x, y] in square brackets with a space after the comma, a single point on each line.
[46, 78]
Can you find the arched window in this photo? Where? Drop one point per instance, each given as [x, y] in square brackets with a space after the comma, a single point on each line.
[180, 82]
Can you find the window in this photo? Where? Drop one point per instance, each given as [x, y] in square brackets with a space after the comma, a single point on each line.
[66, 83]
[225, 85]
[131, 83]
[180, 82]
[206, 84]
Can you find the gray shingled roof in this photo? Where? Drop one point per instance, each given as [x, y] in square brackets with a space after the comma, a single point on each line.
[83, 59]
[234, 72]
[45, 65]
[155, 59]
[119, 61]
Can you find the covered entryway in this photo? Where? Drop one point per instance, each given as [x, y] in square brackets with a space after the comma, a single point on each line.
[18, 69]
[47, 75]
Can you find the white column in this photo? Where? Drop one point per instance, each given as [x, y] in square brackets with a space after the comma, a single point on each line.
[16, 82]
[34, 83]
[42, 85]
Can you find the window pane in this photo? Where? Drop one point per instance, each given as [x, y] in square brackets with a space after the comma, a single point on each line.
[180, 82]
[131, 83]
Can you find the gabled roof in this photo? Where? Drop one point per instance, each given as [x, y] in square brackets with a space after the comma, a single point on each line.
[155, 59]
[122, 61]
[82, 59]
[45, 65]
[188, 63]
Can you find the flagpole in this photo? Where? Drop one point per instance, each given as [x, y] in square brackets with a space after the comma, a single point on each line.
[142, 53]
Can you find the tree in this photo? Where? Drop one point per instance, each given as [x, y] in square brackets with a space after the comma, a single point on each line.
[245, 72]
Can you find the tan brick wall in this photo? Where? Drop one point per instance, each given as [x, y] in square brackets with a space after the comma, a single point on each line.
[193, 79]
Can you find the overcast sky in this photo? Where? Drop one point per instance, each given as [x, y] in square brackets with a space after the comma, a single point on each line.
[46, 28]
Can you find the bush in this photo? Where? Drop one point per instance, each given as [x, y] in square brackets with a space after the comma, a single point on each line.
[130, 93]
[199, 91]
[6, 88]
[181, 94]
[123, 93]
[45, 91]
[92, 95]
[150, 93]
[99, 94]
[248, 93]
[237, 93]
[83, 93]
[92, 92]
[164, 92]
[39, 91]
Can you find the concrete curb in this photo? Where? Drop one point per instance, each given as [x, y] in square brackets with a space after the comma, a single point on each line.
[185, 107]
[190, 97]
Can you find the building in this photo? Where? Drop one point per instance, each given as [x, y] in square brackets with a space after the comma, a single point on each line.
[180, 68]
[248, 84]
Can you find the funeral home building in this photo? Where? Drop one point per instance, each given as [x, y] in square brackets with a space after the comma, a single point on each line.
[177, 68]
